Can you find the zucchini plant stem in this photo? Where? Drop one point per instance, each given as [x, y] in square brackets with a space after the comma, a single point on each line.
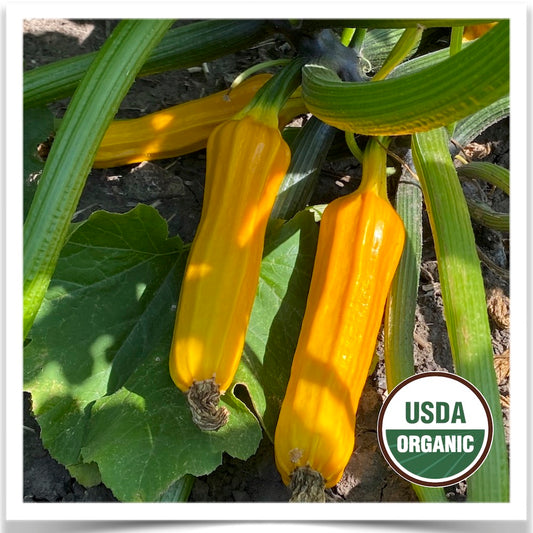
[464, 301]
[182, 47]
[271, 97]
[375, 166]
[90, 111]
[410, 37]
[399, 321]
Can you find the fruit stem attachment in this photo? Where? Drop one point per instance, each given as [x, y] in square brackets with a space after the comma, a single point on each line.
[307, 485]
[203, 398]
[271, 97]
[375, 166]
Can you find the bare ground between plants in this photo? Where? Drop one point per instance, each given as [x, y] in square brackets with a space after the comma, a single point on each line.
[175, 188]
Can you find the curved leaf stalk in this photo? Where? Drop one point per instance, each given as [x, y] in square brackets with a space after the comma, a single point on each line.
[486, 216]
[182, 47]
[489, 172]
[409, 40]
[424, 100]
[470, 127]
[495, 175]
[66, 169]
[463, 296]
[353, 146]
[399, 322]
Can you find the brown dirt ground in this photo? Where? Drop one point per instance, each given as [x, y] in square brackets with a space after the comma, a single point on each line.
[175, 188]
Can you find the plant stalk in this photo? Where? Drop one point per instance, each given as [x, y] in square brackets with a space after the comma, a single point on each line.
[92, 108]
[463, 295]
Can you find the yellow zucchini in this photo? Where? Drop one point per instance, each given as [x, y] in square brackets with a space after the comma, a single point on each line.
[360, 243]
[183, 128]
[474, 32]
[246, 162]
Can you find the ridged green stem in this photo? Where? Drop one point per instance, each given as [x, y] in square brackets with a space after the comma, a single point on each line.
[182, 47]
[495, 175]
[401, 303]
[470, 127]
[374, 165]
[399, 322]
[434, 97]
[486, 216]
[93, 106]
[271, 97]
[463, 295]
[408, 40]
[489, 172]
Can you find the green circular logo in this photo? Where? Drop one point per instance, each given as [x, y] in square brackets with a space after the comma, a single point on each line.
[435, 429]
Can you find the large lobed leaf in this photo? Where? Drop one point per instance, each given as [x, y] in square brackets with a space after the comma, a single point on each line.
[277, 314]
[97, 363]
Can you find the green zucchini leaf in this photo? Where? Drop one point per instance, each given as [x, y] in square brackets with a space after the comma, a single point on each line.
[277, 314]
[97, 366]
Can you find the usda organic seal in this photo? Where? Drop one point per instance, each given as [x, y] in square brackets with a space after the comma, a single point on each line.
[435, 429]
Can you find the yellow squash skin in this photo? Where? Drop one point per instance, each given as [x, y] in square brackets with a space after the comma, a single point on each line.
[474, 32]
[177, 130]
[360, 243]
[246, 161]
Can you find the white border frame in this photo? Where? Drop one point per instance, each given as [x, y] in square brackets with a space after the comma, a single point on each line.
[12, 379]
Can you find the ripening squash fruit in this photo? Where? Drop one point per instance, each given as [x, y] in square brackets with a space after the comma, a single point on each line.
[174, 131]
[360, 243]
[246, 162]
[181, 129]
[247, 159]
[477, 30]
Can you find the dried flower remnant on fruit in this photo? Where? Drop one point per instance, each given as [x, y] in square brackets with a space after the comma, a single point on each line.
[203, 398]
[307, 486]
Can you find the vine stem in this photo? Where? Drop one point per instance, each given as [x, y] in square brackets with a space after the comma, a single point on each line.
[90, 111]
